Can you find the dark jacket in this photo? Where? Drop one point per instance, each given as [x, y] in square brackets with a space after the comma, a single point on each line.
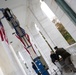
[54, 57]
[34, 67]
[61, 51]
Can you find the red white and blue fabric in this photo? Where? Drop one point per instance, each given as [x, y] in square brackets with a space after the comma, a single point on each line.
[22, 43]
[28, 38]
[2, 33]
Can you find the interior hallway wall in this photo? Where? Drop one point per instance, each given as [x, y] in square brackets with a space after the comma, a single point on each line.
[19, 9]
[48, 29]
[61, 15]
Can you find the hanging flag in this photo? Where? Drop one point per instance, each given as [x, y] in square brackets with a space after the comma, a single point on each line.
[22, 43]
[2, 33]
[28, 38]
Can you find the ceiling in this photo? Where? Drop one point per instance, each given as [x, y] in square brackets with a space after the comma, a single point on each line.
[11, 3]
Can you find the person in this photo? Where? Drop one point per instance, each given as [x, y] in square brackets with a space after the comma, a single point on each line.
[35, 68]
[55, 59]
[66, 57]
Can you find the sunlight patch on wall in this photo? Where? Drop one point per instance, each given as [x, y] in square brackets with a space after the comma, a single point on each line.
[37, 28]
[47, 10]
[21, 56]
[1, 72]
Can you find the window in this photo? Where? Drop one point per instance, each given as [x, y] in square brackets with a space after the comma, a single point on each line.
[63, 31]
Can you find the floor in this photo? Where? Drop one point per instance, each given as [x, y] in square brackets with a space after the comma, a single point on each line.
[60, 71]
[63, 73]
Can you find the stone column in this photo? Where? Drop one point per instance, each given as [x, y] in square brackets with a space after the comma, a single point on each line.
[9, 62]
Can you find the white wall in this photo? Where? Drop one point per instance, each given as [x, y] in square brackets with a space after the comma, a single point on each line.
[68, 24]
[8, 61]
[48, 29]
[19, 9]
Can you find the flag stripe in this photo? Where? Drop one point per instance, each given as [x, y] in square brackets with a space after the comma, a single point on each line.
[2, 33]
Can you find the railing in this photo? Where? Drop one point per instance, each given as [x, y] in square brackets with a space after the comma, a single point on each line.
[71, 49]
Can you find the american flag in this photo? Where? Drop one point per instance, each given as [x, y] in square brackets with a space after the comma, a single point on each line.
[2, 33]
[28, 38]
